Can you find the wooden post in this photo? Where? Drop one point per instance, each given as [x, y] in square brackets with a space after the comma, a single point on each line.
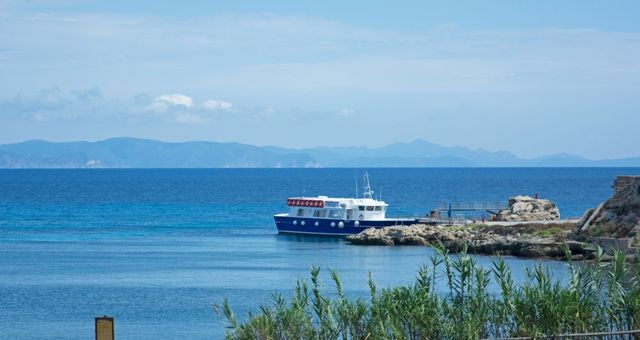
[104, 328]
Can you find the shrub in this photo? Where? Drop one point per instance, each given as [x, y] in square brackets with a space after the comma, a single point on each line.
[598, 297]
[553, 231]
[596, 231]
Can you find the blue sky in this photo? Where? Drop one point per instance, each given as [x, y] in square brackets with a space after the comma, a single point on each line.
[533, 78]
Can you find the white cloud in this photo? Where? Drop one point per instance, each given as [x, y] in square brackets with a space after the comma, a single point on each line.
[179, 108]
[51, 104]
[165, 102]
[344, 112]
[213, 105]
[157, 107]
[175, 99]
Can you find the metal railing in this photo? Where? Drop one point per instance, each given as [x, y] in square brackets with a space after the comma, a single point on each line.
[631, 334]
[472, 206]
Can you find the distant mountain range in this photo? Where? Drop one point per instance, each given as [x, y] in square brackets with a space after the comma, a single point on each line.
[143, 153]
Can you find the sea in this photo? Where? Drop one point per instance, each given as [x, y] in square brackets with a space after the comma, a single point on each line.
[157, 248]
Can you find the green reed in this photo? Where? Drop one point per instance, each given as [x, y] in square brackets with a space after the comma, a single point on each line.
[597, 297]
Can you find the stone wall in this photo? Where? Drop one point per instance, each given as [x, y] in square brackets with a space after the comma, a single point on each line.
[619, 216]
[626, 190]
[610, 243]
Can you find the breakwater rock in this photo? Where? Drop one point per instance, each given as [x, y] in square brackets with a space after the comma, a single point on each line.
[526, 240]
[525, 208]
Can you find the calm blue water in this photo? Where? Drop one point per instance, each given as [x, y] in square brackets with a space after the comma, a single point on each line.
[156, 248]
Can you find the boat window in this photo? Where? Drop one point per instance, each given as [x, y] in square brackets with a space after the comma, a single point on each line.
[369, 208]
[378, 208]
[361, 207]
[349, 214]
[319, 213]
[335, 213]
[384, 208]
[300, 212]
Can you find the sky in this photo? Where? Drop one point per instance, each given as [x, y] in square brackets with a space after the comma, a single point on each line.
[533, 78]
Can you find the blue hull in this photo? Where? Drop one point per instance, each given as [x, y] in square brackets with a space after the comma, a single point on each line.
[323, 226]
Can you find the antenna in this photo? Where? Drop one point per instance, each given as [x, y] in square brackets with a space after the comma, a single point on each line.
[355, 174]
[368, 193]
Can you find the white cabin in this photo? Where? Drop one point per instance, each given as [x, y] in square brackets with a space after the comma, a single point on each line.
[337, 208]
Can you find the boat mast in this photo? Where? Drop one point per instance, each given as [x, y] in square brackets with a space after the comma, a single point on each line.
[368, 193]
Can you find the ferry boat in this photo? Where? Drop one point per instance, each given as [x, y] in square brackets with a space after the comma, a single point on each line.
[329, 216]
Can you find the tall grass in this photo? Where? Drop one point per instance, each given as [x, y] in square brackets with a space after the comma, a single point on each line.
[597, 297]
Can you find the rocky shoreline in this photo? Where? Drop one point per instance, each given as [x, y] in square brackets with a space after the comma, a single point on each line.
[613, 225]
[521, 239]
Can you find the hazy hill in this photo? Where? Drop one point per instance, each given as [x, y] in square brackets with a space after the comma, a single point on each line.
[143, 153]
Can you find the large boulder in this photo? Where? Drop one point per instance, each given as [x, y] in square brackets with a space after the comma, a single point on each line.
[525, 208]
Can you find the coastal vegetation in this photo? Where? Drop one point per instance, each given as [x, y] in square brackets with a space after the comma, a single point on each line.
[477, 303]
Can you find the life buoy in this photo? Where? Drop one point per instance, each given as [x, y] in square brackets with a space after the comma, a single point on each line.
[360, 217]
